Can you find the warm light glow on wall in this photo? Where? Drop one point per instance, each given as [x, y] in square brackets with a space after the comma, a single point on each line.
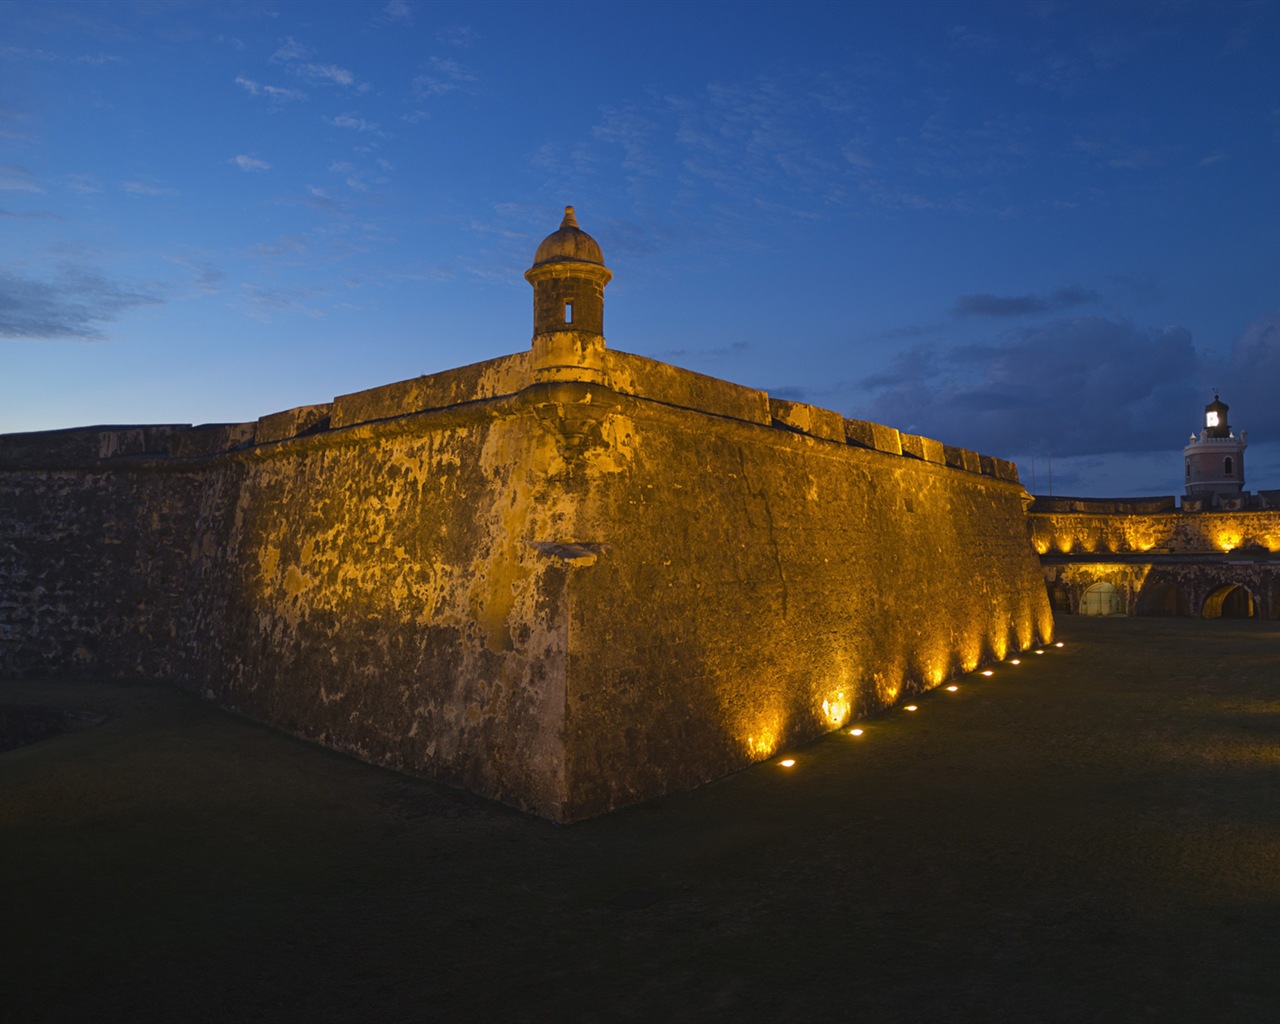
[836, 710]
[1000, 646]
[1041, 545]
[1140, 535]
[1046, 627]
[762, 746]
[1228, 540]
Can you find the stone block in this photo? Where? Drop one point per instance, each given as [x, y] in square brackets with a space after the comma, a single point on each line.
[305, 419]
[1005, 470]
[925, 448]
[212, 439]
[807, 419]
[876, 436]
[962, 458]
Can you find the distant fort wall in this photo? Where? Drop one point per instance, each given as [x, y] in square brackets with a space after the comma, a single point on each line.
[568, 595]
[1160, 559]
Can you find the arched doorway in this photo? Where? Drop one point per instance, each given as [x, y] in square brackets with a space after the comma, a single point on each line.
[1058, 599]
[1162, 599]
[1231, 601]
[1100, 599]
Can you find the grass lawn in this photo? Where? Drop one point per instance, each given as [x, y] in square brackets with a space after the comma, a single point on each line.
[1093, 835]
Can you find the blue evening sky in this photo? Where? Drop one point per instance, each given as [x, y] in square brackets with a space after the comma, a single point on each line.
[1034, 229]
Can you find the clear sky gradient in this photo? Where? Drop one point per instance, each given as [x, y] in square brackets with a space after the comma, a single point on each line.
[1033, 229]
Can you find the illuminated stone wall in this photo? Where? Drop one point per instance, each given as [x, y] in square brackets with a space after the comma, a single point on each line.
[1076, 532]
[760, 585]
[1164, 562]
[567, 595]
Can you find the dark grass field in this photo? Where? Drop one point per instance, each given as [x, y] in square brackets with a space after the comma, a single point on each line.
[1093, 835]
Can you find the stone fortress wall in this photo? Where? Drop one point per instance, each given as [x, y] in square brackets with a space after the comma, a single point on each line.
[1161, 560]
[569, 579]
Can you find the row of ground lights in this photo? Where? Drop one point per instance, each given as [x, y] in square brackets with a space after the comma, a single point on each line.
[789, 762]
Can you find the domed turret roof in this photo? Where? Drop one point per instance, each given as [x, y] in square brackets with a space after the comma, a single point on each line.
[570, 243]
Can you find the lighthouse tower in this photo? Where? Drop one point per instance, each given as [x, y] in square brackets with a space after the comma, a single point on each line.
[1214, 460]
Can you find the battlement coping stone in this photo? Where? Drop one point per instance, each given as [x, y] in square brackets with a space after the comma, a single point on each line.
[808, 419]
[873, 435]
[279, 426]
[926, 448]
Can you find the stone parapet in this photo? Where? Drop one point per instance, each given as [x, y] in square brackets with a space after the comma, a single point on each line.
[875, 436]
[807, 419]
[477, 382]
[304, 419]
[925, 448]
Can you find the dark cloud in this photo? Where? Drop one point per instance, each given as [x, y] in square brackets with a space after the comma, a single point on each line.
[1252, 382]
[1081, 387]
[74, 305]
[984, 304]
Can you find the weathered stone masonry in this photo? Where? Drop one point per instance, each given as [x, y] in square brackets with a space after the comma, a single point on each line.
[569, 579]
[1160, 560]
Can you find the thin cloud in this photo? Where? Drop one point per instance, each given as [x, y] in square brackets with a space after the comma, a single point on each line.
[84, 184]
[47, 56]
[76, 304]
[447, 76]
[265, 304]
[17, 179]
[206, 278]
[8, 116]
[458, 36]
[398, 11]
[297, 58]
[250, 163]
[355, 124]
[290, 51]
[327, 72]
[273, 92]
[29, 214]
[147, 188]
[986, 304]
